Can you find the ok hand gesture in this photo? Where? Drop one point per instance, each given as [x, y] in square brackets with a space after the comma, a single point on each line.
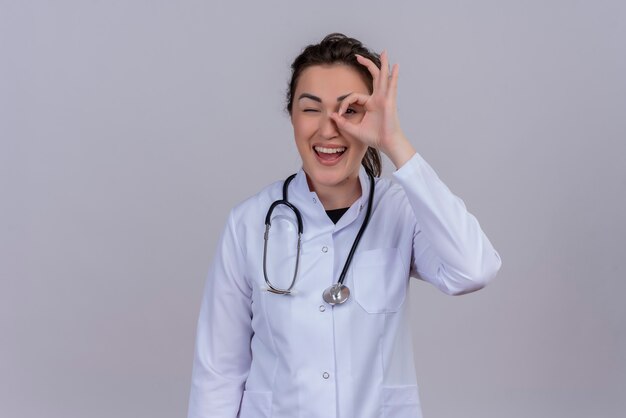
[380, 127]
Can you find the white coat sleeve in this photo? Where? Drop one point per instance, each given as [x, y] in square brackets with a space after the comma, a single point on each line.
[450, 249]
[222, 353]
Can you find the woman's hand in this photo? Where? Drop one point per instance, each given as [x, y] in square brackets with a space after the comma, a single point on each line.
[380, 127]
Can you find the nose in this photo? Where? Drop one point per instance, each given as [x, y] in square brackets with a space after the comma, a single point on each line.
[328, 128]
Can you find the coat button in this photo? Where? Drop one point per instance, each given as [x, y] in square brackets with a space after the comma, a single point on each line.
[314, 200]
[322, 308]
[324, 249]
[325, 375]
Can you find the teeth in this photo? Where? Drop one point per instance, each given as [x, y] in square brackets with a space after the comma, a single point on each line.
[330, 150]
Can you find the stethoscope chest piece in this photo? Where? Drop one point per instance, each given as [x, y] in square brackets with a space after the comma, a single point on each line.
[336, 294]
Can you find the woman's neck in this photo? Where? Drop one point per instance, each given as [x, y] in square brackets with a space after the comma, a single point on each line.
[339, 196]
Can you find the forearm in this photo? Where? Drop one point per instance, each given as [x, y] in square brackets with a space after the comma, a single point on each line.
[460, 256]
[222, 354]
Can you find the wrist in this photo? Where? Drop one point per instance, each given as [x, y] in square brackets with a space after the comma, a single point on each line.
[400, 151]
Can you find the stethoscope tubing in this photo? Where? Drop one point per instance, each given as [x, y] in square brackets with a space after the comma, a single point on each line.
[366, 221]
[268, 223]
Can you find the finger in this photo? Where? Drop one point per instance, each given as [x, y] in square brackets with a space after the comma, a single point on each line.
[352, 98]
[384, 72]
[393, 83]
[344, 125]
[369, 64]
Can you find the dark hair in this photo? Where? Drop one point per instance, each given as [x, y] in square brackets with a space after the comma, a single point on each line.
[337, 48]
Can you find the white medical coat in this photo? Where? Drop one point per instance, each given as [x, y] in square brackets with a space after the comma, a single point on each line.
[259, 354]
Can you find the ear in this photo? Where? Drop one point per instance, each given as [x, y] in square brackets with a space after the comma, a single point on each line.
[291, 117]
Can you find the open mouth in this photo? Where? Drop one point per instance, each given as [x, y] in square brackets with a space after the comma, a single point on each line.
[327, 155]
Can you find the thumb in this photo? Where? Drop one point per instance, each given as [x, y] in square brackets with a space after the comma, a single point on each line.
[344, 125]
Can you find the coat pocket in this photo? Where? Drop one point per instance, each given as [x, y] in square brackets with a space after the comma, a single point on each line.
[379, 280]
[255, 404]
[401, 402]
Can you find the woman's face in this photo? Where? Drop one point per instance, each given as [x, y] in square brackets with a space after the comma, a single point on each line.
[328, 157]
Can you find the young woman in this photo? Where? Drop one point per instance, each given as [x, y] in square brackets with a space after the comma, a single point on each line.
[318, 326]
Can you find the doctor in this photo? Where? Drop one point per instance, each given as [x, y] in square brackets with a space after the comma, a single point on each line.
[302, 350]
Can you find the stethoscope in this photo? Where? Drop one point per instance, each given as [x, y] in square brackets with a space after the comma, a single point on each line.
[336, 293]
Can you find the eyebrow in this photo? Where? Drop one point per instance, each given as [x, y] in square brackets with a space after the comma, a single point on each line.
[317, 99]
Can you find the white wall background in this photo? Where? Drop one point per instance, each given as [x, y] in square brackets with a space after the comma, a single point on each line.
[128, 129]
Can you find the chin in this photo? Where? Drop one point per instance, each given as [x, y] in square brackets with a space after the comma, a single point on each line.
[326, 177]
